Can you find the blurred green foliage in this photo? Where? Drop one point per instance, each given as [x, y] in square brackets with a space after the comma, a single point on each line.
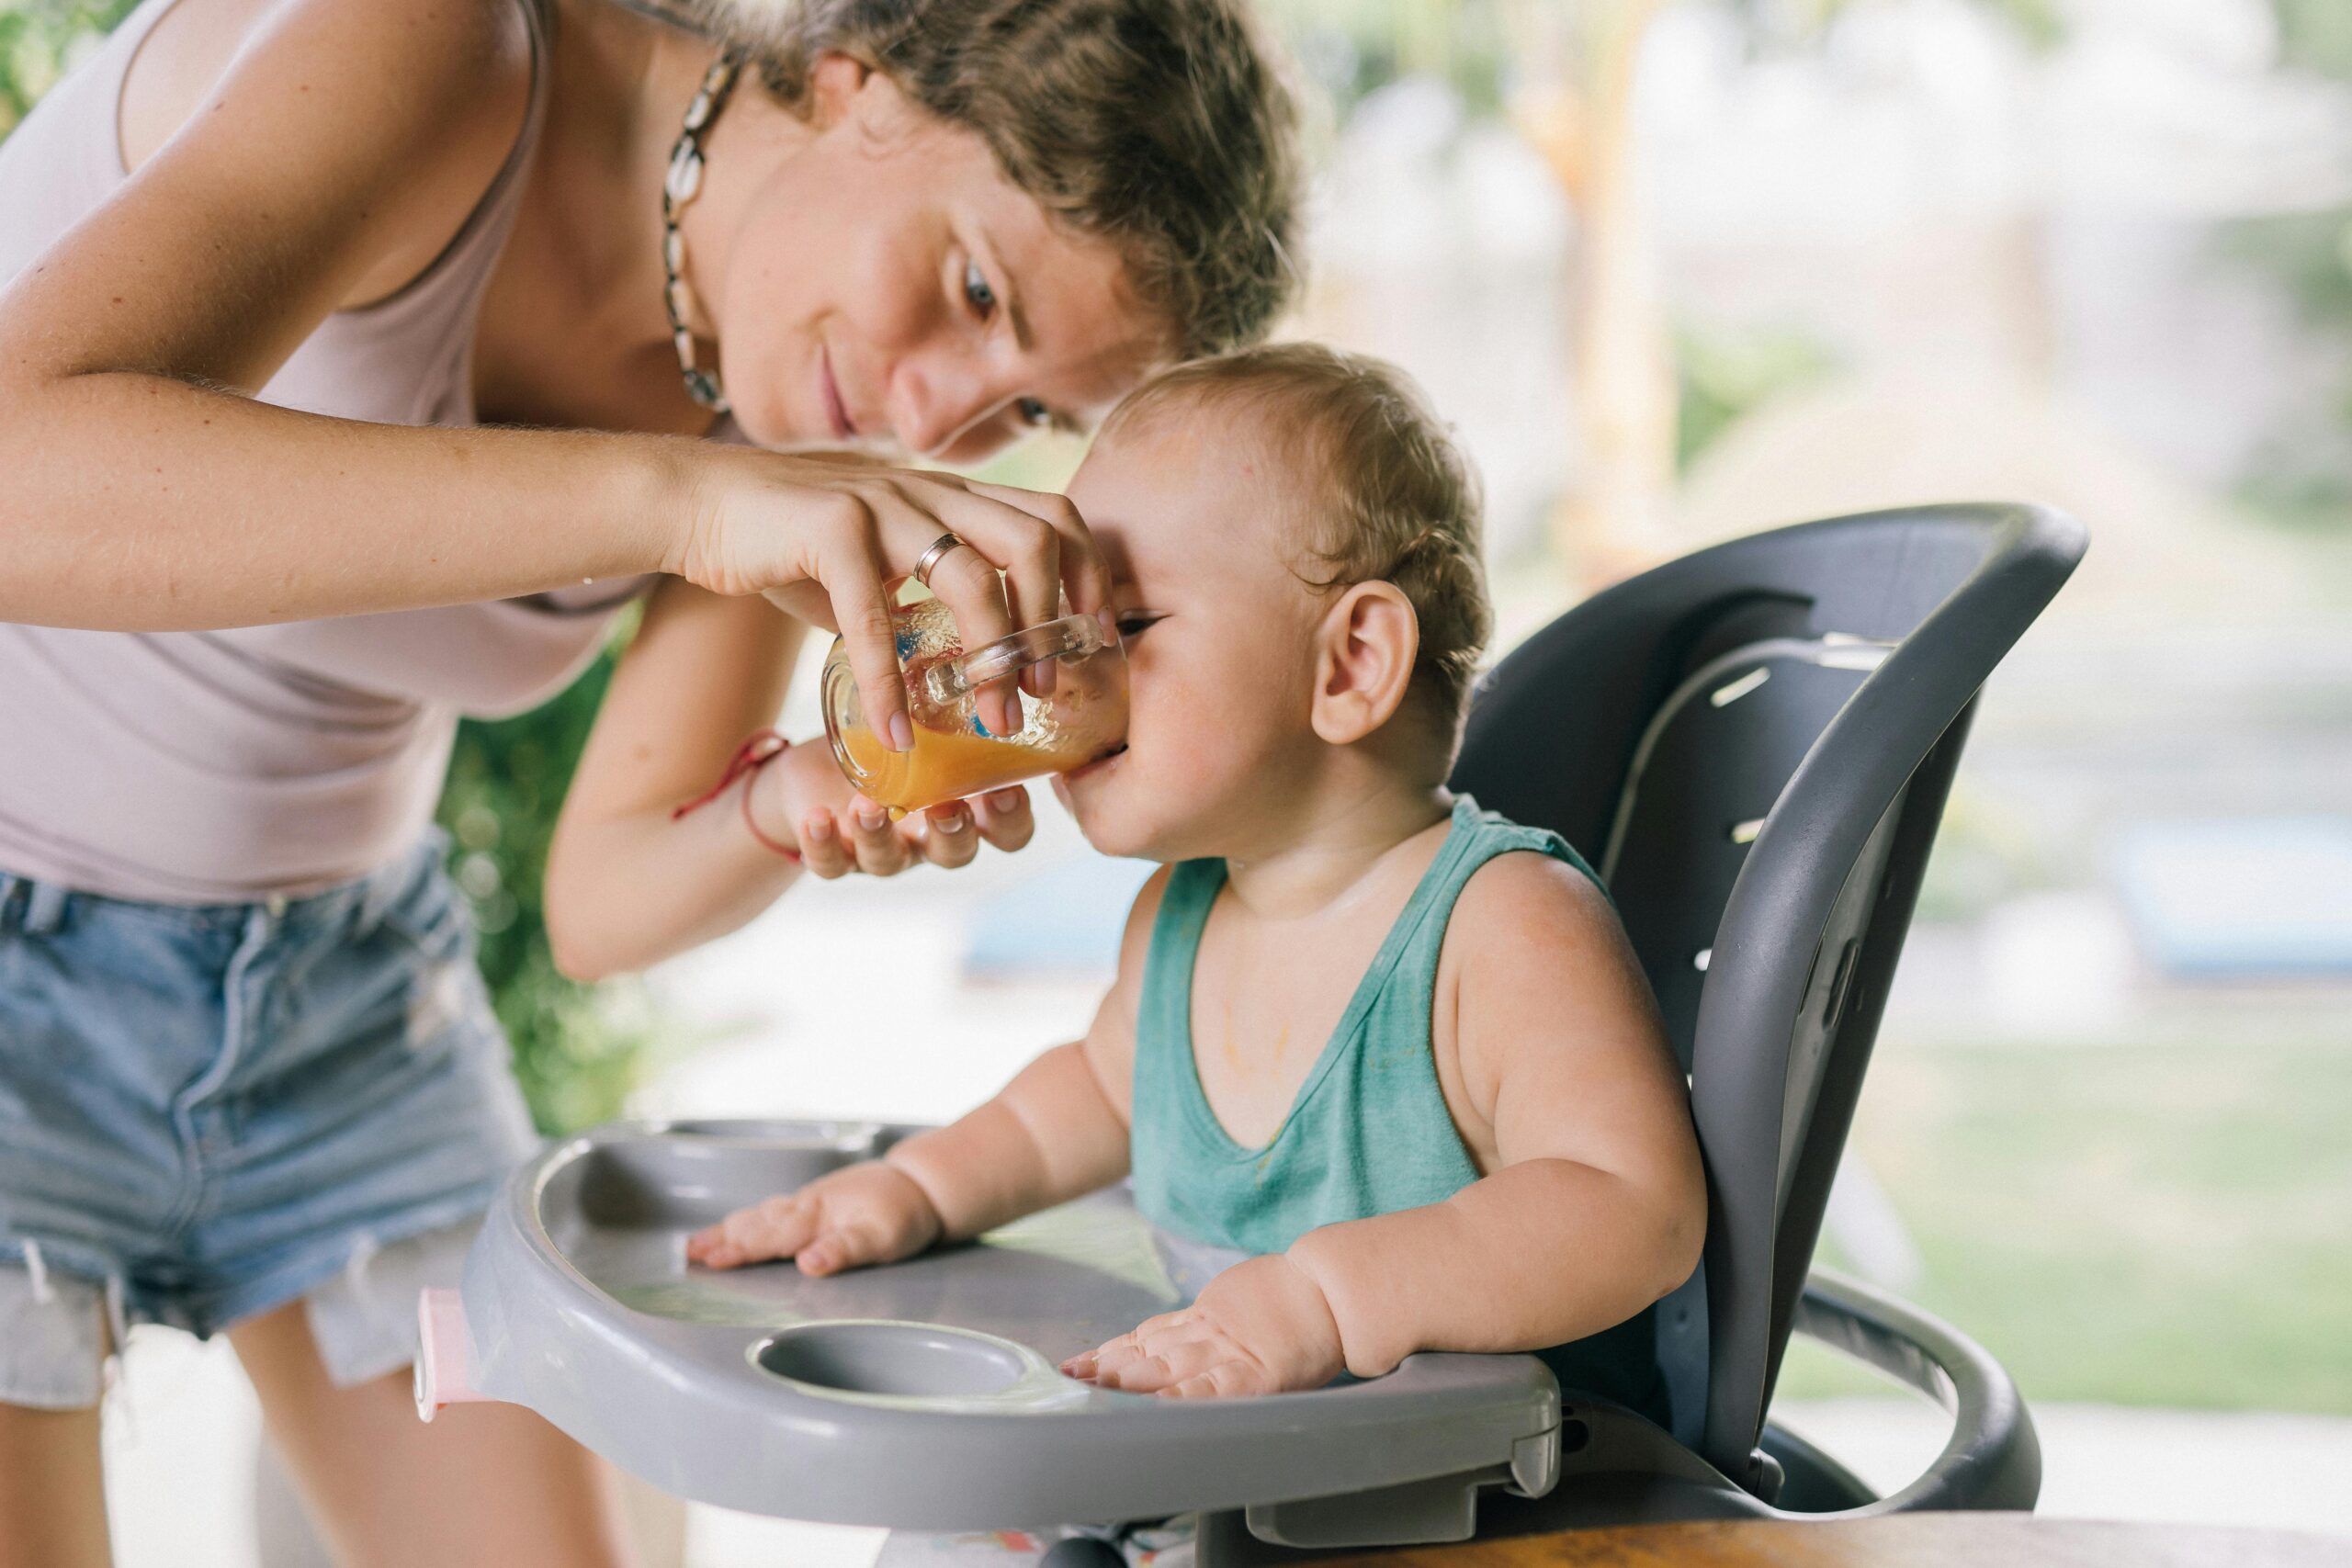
[2042, 23]
[577, 1048]
[2315, 35]
[40, 40]
[1723, 374]
[2302, 475]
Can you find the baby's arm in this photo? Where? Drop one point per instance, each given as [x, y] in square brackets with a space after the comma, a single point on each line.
[1595, 1205]
[1056, 1132]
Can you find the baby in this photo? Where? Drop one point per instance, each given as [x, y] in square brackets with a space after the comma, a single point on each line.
[1397, 1047]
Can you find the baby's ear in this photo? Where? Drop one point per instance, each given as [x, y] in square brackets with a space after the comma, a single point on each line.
[1368, 643]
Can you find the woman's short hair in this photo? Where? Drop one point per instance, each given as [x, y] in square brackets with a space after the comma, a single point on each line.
[1163, 126]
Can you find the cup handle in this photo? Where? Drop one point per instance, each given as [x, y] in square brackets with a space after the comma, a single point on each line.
[1071, 636]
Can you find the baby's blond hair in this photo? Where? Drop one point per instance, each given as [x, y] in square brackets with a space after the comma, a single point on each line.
[1383, 493]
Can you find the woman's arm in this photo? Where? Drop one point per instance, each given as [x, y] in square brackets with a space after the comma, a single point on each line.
[147, 490]
[629, 883]
[626, 884]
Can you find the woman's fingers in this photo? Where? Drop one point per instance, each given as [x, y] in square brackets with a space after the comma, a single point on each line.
[853, 581]
[966, 578]
[1078, 564]
[1005, 818]
[871, 526]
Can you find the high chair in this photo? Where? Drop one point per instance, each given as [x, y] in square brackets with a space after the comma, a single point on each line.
[1753, 744]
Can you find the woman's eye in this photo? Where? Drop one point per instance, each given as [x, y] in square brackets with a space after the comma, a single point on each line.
[1137, 623]
[977, 290]
[1034, 414]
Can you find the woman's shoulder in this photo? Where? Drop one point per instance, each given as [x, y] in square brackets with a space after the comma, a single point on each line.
[428, 95]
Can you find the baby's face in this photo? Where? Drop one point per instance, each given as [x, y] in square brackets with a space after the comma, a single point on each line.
[1219, 630]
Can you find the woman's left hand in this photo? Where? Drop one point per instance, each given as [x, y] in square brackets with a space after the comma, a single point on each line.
[839, 830]
[1261, 1326]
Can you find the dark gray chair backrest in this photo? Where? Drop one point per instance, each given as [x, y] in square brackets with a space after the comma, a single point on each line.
[1753, 744]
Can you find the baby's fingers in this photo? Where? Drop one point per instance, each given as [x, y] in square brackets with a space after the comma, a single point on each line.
[1226, 1379]
[1005, 818]
[874, 838]
[823, 852]
[1159, 1350]
[949, 841]
[850, 1245]
[777, 1228]
[1106, 1359]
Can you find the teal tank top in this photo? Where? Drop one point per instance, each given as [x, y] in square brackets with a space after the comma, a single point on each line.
[1368, 1133]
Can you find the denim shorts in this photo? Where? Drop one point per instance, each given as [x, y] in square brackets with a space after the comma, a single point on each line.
[208, 1111]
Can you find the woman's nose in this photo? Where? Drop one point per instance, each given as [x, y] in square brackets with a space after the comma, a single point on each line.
[933, 404]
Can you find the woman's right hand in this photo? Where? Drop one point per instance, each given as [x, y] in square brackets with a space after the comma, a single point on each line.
[793, 525]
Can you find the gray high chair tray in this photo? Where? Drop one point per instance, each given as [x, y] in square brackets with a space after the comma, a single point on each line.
[923, 1395]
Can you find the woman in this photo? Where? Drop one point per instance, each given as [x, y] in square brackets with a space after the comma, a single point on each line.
[276, 269]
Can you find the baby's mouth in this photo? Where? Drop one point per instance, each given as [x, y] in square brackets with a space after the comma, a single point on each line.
[1105, 761]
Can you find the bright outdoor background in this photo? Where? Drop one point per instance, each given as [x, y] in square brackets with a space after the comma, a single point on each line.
[1684, 269]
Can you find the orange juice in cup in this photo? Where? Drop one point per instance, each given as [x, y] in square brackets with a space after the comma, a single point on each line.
[1084, 716]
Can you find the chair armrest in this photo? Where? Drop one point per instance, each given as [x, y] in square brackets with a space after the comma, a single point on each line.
[1992, 1460]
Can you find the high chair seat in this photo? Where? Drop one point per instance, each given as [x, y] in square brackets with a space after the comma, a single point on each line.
[1754, 744]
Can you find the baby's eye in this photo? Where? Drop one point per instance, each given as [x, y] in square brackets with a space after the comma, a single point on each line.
[976, 291]
[1034, 414]
[1135, 623]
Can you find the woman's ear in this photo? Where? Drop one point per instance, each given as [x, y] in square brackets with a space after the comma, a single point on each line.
[834, 84]
[1368, 642]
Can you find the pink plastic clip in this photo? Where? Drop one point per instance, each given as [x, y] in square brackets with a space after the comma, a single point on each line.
[443, 1354]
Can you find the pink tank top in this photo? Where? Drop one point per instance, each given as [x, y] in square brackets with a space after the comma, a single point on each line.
[227, 766]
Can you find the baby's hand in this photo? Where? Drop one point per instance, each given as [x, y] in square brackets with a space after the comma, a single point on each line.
[803, 793]
[1260, 1327]
[869, 1213]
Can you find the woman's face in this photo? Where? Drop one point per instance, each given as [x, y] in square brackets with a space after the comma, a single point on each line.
[885, 287]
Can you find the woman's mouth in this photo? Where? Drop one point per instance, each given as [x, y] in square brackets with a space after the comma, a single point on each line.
[836, 411]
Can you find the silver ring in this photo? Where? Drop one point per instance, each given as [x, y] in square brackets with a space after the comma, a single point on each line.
[930, 557]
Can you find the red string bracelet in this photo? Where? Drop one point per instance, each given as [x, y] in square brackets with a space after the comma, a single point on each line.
[763, 747]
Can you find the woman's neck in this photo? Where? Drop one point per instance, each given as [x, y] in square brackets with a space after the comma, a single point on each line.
[587, 248]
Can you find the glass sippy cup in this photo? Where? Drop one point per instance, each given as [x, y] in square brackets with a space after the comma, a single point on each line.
[1084, 716]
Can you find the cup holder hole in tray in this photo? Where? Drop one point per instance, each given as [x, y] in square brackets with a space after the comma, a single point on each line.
[908, 1359]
